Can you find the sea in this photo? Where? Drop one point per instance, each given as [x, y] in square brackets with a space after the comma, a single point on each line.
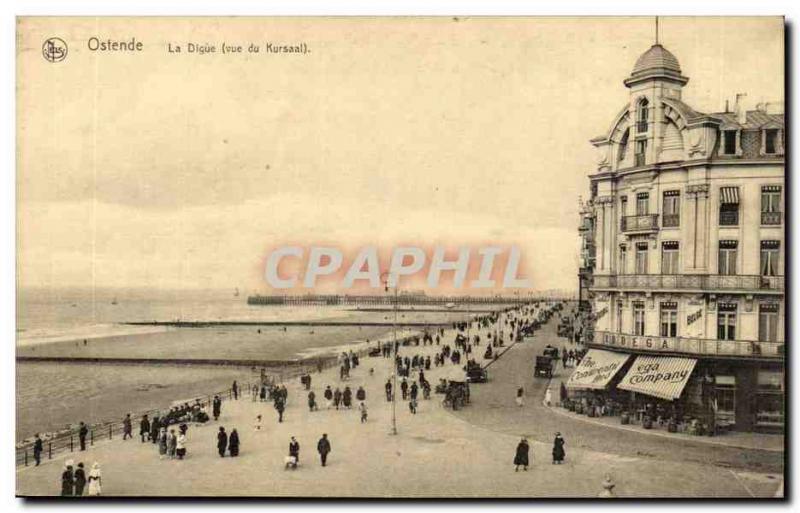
[91, 322]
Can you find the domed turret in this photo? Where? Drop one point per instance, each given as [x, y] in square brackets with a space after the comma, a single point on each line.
[656, 63]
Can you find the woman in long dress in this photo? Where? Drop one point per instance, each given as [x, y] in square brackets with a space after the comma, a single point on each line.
[94, 480]
[521, 457]
[558, 449]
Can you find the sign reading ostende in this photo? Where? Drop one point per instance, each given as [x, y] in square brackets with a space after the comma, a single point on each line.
[596, 369]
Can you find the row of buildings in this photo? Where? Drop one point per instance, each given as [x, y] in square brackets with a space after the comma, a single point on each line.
[683, 253]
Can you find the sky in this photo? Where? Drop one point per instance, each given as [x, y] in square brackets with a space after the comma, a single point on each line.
[166, 170]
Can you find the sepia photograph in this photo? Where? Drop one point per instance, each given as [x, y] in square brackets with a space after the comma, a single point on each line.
[401, 257]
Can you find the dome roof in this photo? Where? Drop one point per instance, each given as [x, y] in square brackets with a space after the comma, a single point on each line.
[657, 62]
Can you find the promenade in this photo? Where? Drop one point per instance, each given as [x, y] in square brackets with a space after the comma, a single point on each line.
[437, 453]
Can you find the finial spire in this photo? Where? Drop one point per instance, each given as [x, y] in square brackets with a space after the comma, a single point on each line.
[656, 29]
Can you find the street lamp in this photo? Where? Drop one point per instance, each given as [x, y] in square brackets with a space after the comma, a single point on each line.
[394, 363]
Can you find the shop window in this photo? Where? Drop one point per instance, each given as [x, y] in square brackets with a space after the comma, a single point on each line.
[638, 318]
[770, 399]
[725, 399]
[669, 319]
[768, 322]
[728, 253]
[726, 321]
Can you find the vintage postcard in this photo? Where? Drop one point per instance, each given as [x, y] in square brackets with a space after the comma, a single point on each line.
[414, 257]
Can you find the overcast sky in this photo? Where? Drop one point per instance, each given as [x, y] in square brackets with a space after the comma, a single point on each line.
[184, 171]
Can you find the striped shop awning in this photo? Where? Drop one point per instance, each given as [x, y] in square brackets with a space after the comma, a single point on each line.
[596, 369]
[729, 195]
[660, 376]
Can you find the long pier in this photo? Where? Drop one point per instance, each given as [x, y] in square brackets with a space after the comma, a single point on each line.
[172, 361]
[211, 324]
[401, 299]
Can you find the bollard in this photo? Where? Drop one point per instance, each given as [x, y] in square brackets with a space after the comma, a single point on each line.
[91, 437]
[608, 488]
[109, 431]
[50, 450]
[26, 457]
[71, 448]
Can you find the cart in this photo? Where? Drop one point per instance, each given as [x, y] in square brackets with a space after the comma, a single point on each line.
[544, 367]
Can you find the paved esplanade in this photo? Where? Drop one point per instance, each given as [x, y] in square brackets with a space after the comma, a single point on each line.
[436, 453]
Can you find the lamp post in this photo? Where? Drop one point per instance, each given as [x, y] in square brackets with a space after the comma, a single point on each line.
[394, 362]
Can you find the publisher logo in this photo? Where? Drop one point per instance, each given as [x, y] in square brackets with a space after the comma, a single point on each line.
[54, 49]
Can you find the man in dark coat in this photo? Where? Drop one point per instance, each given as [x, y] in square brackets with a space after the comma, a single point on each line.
[127, 427]
[216, 406]
[82, 432]
[233, 443]
[38, 447]
[235, 390]
[324, 447]
[80, 480]
[361, 395]
[280, 406]
[521, 458]
[144, 428]
[558, 449]
[404, 389]
[388, 388]
[155, 427]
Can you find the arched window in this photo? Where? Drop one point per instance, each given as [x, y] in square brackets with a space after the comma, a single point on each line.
[642, 113]
[623, 145]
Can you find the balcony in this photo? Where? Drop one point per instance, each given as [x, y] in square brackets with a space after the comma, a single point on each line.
[671, 221]
[694, 282]
[645, 223]
[771, 218]
[690, 346]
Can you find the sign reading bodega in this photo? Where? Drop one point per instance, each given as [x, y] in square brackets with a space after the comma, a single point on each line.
[634, 342]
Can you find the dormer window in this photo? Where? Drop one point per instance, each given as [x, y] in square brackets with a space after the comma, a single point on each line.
[729, 142]
[771, 141]
[642, 116]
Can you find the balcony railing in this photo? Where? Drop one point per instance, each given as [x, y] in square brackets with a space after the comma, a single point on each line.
[689, 282]
[671, 220]
[648, 222]
[729, 218]
[691, 346]
[771, 217]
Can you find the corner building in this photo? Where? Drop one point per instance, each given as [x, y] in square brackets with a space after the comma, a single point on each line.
[688, 231]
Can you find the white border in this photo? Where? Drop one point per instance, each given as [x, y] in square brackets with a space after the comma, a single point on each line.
[10, 9]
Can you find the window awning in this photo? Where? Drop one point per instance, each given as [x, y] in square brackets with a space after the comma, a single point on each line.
[729, 195]
[596, 369]
[660, 376]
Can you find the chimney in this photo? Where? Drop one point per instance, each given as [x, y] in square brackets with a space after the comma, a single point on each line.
[739, 110]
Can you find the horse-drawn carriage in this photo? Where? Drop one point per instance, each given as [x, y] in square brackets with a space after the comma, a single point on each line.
[456, 394]
[544, 367]
[476, 373]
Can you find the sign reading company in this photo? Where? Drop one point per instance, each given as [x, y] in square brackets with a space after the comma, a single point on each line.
[596, 369]
[659, 376]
